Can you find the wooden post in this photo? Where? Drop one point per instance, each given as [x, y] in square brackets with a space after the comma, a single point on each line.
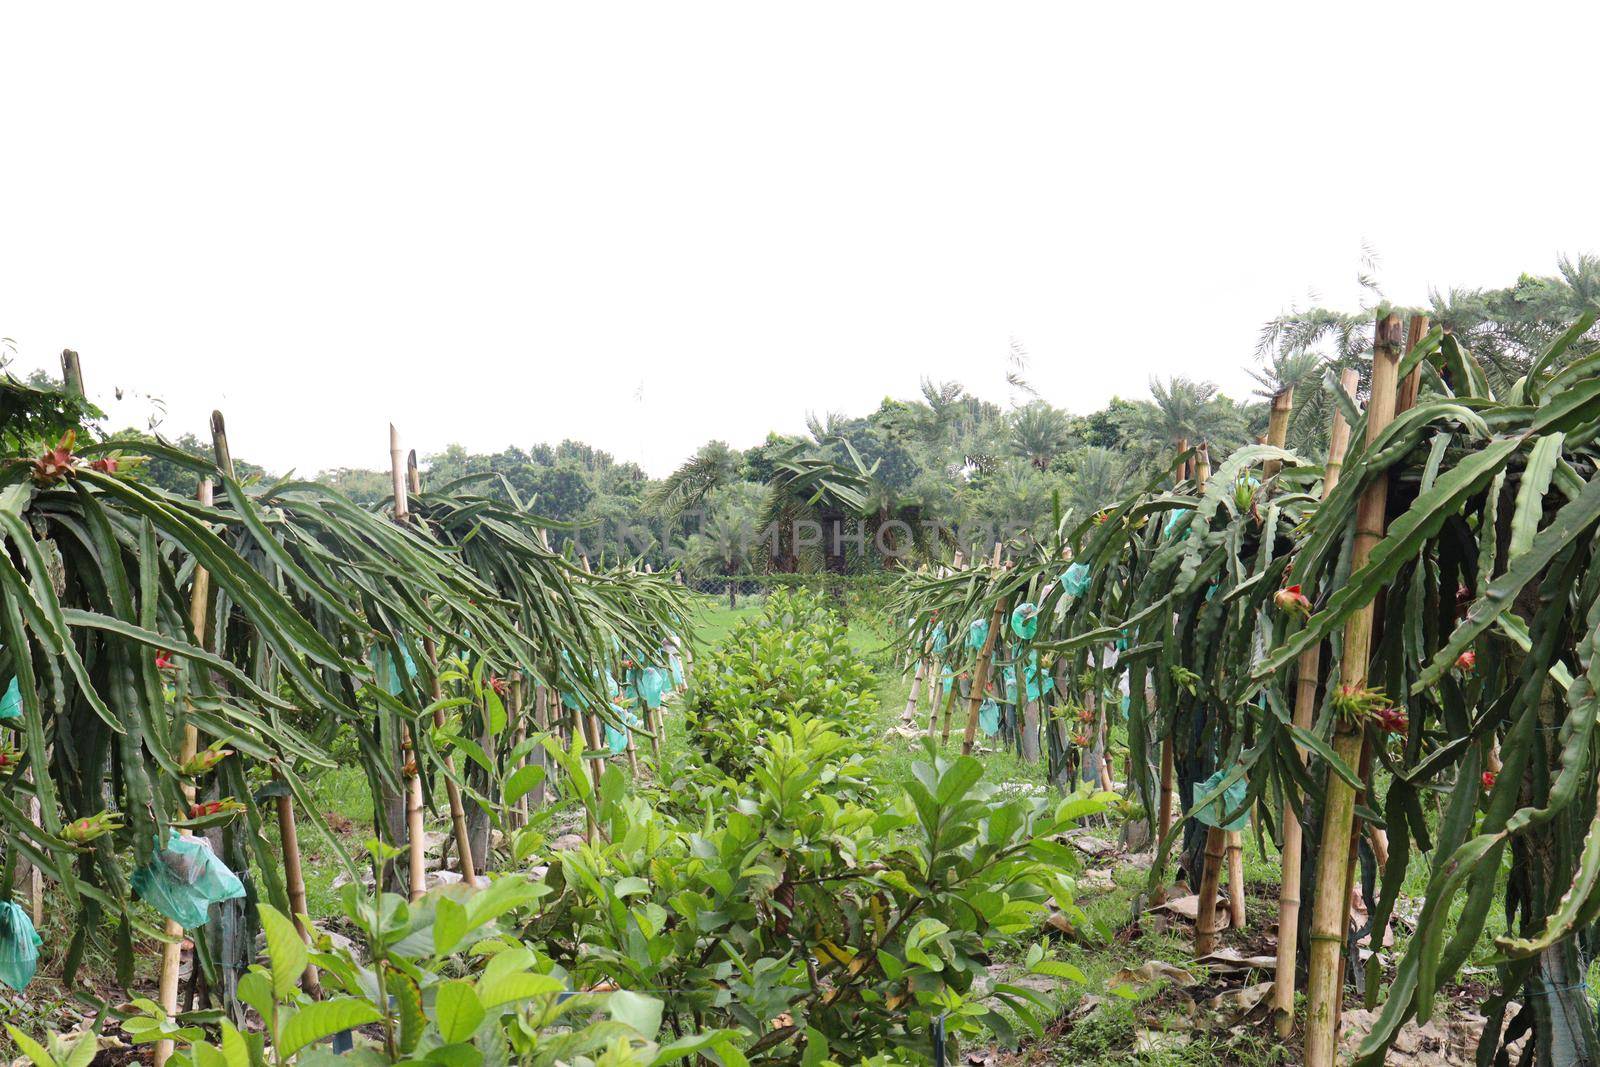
[172, 948]
[458, 811]
[1307, 668]
[411, 769]
[1331, 913]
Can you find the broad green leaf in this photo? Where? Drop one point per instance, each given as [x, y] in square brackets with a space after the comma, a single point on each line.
[323, 1018]
[286, 951]
[457, 1010]
[636, 1010]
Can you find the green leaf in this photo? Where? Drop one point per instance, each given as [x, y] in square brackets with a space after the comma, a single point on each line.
[235, 1048]
[961, 776]
[286, 951]
[636, 1010]
[523, 780]
[323, 1018]
[255, 989]
[457, 1010]
[450, 925]
[31, 1048]
[509, 988]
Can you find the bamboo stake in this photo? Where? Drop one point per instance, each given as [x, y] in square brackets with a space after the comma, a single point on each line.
[916, 688]
[458, 812]
[1217, 839]
[1168, 761]
[1331, 913]
[518, 736]
[294, 881]
[411, 770]
[1277, 436]
[949, 710]
[71, 372]
[1305, 705]
[980, 675]
[580, 732]
[1411, 384]
[172, 948]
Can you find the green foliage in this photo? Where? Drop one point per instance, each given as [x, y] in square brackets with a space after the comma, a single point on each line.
[439, 981]
[822, 915]
[793, 659]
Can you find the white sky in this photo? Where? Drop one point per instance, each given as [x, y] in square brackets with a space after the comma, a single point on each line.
[647, 225]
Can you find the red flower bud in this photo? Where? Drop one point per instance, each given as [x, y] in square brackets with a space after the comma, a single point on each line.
[1393, 720]
[1467, 661]
[1488, 779]
[1290, 599]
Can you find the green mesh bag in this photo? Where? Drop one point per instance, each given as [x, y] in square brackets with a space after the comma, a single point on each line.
[19, 946]
[617, 739]
[1025, 621]
[989, 717]
[977, 633]
[185, 879]
[384, 666]
[1075, 579]
[11, 703]
[1231, 800]
[653, 685]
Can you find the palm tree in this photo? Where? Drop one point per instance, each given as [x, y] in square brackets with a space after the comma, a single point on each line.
[809, 488]
[1303, 371]
[1182, 409]
[1098, 477]
[1039, 433]
[713, 466]
[726, 542]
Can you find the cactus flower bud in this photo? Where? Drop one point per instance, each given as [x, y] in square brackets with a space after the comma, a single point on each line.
[1292, 600]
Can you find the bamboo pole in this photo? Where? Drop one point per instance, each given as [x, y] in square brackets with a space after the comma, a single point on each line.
[458, 812]
[1168, 760]
[71, 372]
[1331, 912]
[1411, 384]
[411, 769]
[579, 727]
[294, 882]
[1307, 668]
[916, 688]
[1277, 436]
[518, 735]
[980, 675]
[1217, 839]
[172, 948]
